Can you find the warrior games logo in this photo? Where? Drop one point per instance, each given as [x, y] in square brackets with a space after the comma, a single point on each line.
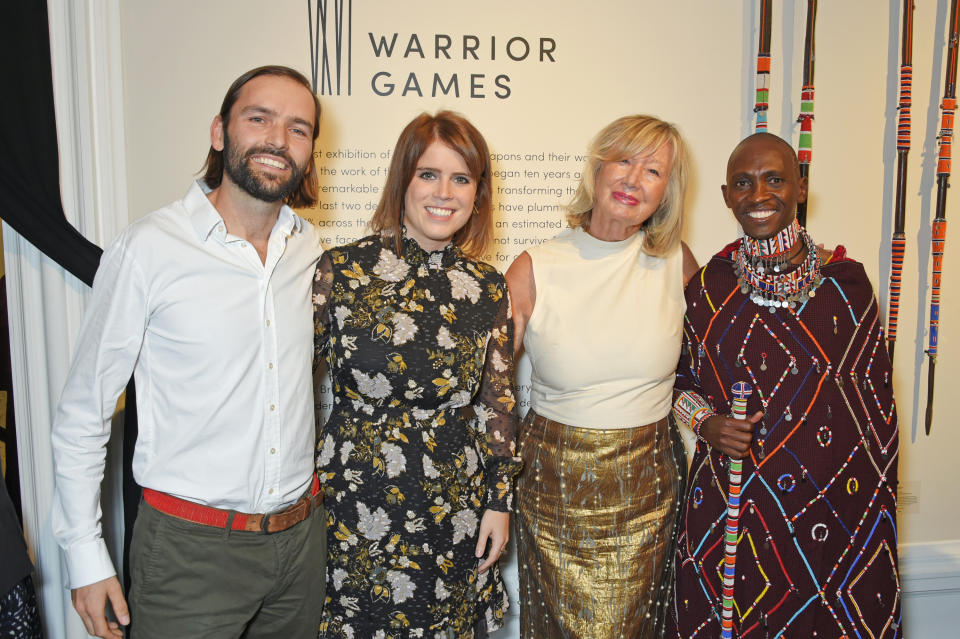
[332, 50]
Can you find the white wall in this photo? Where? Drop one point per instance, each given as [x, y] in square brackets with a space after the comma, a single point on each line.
[688, 61]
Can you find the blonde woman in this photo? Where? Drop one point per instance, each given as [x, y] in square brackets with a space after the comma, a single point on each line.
[599, 310]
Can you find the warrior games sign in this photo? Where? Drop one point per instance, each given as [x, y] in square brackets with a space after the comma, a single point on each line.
[332, 49]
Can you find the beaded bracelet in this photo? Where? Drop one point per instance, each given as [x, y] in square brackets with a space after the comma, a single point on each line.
[697, 420]
[692, 410]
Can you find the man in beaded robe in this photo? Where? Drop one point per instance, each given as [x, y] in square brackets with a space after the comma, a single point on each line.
[815, 552]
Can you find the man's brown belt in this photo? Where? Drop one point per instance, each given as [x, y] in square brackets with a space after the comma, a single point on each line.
[219, 518]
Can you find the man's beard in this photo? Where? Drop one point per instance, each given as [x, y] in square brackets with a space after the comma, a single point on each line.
[237, 165]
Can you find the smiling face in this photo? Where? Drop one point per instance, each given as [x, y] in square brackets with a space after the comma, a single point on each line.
[763, 185]
[268, 142]
[439, 199]
[629, 191]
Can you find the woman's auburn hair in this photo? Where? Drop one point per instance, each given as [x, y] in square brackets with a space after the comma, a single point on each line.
[624, 138]
[456, 132]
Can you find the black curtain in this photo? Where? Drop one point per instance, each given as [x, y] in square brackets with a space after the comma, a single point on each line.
[29, 164]
[30, 176]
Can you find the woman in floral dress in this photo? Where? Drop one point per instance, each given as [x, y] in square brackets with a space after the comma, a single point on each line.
[417, 458]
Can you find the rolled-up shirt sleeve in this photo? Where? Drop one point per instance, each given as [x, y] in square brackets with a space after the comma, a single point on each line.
[108, 345]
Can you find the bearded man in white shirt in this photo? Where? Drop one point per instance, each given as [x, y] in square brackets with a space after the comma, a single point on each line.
[207, 302]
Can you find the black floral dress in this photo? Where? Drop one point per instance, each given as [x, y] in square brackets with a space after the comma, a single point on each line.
[420, 441]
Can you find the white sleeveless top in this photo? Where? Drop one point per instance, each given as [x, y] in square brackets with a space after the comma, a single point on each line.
[604, 336]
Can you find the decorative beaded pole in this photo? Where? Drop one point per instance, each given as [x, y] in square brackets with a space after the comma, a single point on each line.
[740, 391]
[763, 67]
[939, 227]
[805, 147]
[898, 243]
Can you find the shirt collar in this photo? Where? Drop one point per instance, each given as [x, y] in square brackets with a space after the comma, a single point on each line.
[205, 218]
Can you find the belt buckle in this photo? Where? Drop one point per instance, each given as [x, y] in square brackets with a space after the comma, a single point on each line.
[265, 524]
[304, 504]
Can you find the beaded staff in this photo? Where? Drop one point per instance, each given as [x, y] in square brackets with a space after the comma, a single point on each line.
[939, 226]
[763, 67]
[805, 147]
[741, 391]
[898, 243]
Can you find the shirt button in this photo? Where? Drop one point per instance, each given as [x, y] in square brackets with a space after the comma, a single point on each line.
[268, 322]
[270, 365]
[220, 228]
[273, 451]
[270, 491]
[273, 407]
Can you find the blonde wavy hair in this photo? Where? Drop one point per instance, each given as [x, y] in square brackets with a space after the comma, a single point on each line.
[624, 138]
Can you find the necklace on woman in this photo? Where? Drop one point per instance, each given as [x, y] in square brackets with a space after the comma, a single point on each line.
[764, 271]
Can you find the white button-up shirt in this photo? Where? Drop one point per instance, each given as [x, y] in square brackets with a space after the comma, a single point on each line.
[220, 345]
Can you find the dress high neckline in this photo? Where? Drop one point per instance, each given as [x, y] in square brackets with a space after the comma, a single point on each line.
[415, 254]
[595, 246]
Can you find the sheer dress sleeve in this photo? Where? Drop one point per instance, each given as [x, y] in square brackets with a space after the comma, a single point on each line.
[688, 368]
[495, 426]
[322, 285]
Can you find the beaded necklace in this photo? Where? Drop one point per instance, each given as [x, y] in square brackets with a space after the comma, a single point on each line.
[764, 271]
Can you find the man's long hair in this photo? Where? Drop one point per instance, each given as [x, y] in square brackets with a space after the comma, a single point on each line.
[306, 194]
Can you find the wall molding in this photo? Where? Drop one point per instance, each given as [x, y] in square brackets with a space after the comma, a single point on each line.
[931, 568]
[930, 586]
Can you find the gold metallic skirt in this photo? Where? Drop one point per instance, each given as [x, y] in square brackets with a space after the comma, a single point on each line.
[596, 514]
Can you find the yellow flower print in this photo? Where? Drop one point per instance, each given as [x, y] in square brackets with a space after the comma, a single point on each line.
[444, 563]
[380, 592]
[447, 312]
[399, 620]
[440, 509]
[395, 496]
[395, 363]
[342, 533]
[392, 544]
[445, 358]
[446, 383]
[355, 272]
[404, 561]
[381, 332]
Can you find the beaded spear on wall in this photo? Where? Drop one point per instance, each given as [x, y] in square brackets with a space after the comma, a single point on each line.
[805, 147]
[763, 67]
[898, 243]
[938, 230]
